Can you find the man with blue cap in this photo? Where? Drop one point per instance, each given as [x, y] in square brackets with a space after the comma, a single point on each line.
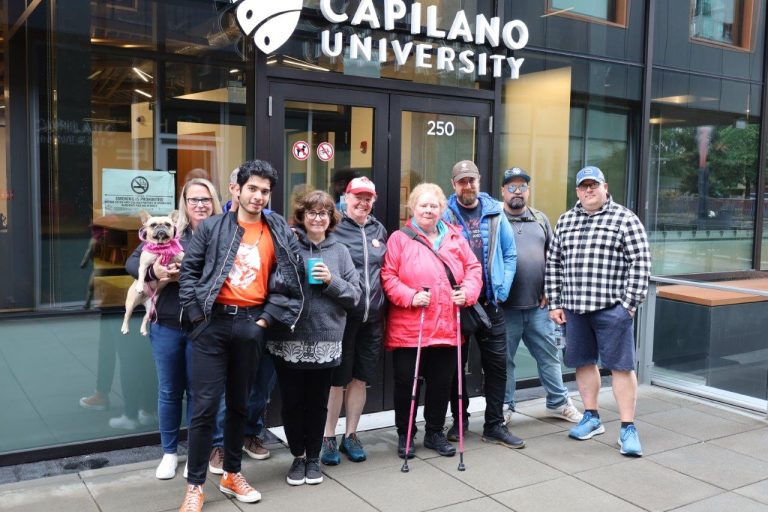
[597, 274]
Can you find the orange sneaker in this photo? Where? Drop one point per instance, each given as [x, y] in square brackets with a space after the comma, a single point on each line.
[234, 485]
[193, 499]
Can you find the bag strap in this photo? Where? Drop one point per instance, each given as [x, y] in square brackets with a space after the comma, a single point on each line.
[414, 236]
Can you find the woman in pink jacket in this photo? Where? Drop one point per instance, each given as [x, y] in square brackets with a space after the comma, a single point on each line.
[410, 266]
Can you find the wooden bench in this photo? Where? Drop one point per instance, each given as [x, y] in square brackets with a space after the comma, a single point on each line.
[717, 335]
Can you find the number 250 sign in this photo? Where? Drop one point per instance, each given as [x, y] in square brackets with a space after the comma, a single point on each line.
[441, 128]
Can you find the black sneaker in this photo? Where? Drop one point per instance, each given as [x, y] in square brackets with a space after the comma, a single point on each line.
[313, 473]
[297, 473]
[500, 435]
[401, 447]
[453, 432]
[437, 441]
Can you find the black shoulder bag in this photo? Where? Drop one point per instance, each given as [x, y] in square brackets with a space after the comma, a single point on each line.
[472, 317]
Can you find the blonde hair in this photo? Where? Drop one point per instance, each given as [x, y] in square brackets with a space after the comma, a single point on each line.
[183, 221]
[424, 188]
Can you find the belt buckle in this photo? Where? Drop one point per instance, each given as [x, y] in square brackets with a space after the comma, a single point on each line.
[231, 310]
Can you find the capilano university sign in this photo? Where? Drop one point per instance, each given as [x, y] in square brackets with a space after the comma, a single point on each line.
[271, 24]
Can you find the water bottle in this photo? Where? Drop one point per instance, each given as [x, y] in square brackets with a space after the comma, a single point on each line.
[560, 336]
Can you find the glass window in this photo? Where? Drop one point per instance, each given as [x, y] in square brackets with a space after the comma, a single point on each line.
[723, 21]
[613, 11]
[703, 174]
[303, 50]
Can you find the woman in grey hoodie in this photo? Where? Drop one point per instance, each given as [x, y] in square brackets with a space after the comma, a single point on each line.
[305, 357]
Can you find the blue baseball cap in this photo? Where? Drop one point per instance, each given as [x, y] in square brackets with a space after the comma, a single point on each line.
[590, 173]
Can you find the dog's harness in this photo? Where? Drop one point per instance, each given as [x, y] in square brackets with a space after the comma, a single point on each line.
[165, 253]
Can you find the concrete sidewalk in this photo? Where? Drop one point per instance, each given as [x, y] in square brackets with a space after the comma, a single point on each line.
[698, 457]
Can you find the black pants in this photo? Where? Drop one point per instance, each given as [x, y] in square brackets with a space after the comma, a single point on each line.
[492, 344]
[437, 367]
[224, 357]
[304, 395]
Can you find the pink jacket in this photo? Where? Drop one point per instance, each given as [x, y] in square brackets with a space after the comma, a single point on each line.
[408, 267]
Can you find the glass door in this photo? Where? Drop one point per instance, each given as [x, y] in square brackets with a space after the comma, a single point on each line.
[428, 137]
[322, 138]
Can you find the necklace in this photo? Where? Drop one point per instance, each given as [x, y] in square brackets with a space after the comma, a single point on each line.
[261, 233]
[515, 224]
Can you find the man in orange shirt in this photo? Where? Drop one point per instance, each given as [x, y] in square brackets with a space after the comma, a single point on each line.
[227, 304]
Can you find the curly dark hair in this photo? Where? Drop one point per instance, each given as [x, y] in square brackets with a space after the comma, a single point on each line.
[260, 168]
[312, 200]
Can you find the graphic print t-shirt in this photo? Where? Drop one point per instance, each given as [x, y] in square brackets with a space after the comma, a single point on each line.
[471, 217]
[247, 283]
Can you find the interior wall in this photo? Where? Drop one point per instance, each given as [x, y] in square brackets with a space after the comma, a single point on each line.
[536, 134]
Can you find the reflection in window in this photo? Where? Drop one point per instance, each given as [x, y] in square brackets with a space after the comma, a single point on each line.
[613, 11]
[722, 21]
[702, 184]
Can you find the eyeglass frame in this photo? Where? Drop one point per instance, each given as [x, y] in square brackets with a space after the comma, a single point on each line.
[194, 201]
[523, 188]
[315, 215]
[592, 186]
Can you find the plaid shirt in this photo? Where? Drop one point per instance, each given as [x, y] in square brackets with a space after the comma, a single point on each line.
[596, 261]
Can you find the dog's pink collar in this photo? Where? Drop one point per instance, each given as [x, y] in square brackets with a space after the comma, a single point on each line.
[166, 252]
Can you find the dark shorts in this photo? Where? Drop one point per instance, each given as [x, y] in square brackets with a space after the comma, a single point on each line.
[606, 334]
[360, 350]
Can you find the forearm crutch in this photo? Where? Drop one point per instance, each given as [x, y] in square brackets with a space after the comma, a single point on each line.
[405, 467]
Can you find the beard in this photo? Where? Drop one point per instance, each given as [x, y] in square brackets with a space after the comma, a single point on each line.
[516, 203]
[467, 198]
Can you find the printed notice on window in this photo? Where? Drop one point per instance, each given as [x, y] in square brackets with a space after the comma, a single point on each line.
[127, 192]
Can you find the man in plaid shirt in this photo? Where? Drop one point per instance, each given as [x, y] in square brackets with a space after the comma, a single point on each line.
[597, 275]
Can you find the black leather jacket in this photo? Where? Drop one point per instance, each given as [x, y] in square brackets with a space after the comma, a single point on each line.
[209, 258]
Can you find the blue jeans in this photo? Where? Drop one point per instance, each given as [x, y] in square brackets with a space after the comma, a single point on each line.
[536, 330]
[173, 356]
[261, 390]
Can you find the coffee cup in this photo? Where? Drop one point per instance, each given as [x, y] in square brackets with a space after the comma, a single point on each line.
[311, 262]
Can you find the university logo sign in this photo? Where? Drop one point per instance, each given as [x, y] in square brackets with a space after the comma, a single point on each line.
[271, 24]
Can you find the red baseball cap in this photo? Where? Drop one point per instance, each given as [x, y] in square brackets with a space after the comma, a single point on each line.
[361, 185]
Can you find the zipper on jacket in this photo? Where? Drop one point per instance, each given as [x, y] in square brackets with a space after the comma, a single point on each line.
[221, 271]
[367, 279]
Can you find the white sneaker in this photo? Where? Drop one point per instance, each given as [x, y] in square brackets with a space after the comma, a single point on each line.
[508, 414]
[147, 418]
[167, 467]
[567, 412]
[123, 422]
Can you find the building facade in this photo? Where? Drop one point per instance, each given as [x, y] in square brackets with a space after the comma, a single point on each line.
[109, 106]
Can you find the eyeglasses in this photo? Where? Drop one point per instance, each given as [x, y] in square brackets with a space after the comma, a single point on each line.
[318, 215]
[194, 201]
[591, 186]
[514, 188]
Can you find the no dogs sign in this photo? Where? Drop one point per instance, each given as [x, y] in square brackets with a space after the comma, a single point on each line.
[300, 150]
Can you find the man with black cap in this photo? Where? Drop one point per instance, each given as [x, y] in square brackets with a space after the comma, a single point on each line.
[489, 234]
[525, 310]
[597, 274]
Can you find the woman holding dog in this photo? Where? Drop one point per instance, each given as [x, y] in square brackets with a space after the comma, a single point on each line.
[305, 357]
[171, 349]
[422, 309]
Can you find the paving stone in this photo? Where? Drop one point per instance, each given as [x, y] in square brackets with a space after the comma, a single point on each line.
[478, 505]
[694, 423]
[569, 455]
[717, 466]
[511, 469]
[753, 443]
[566, 493]
[329, 496]
[63, 494]
[725, 501]
[648, 485]
[728, 413]
[654, 439]
[423, 488]
[757, 491]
